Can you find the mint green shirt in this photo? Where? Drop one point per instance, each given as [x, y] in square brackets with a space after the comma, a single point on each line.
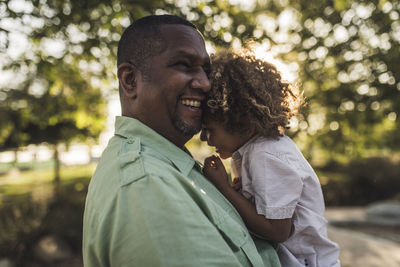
[148, 204]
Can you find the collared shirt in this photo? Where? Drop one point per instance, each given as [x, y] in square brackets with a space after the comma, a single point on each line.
[281, 184]
[149, 205]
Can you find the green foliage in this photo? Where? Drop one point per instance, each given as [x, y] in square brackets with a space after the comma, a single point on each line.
[349, 50]
[56, 97]
[21, 223]
[37, 176]
[345, 51]
[361, 182]
[41, 211]
[69, 108]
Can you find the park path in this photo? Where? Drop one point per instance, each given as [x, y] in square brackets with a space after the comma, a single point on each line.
[358, 249]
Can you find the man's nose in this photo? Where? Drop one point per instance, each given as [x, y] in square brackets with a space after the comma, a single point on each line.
[201, 81]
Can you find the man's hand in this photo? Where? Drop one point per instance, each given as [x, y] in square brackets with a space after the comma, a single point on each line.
[215, 171]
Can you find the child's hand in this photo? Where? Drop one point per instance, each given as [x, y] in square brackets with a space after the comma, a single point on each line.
[215, 171]
[237, 184]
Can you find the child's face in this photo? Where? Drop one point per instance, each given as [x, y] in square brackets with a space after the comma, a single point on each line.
[225, 143]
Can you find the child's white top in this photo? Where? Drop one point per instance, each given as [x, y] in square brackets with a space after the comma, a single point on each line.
[281, 184]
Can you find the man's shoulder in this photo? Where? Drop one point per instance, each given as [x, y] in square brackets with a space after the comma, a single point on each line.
[124, 159]
[137, 161]
[130, 161]
[124, 165]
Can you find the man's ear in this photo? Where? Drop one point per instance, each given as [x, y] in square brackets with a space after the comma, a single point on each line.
[127, 76]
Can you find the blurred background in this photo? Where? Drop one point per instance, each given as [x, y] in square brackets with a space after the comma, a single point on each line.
[59, 99]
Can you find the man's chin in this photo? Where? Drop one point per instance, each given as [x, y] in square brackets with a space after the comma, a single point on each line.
[186, 129]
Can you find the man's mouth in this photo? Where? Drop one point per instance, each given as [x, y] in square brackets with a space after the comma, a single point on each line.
[191, 103]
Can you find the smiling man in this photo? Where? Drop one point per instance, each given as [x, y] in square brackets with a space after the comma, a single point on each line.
[148, 203]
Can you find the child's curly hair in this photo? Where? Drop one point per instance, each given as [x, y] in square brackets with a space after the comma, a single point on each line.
[248, 93]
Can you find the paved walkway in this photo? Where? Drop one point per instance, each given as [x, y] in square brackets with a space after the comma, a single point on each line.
[359, 249]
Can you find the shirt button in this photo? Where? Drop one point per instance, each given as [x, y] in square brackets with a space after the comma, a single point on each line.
[244, 233]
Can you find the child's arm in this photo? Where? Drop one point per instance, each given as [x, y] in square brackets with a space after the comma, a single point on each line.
[274, 230]
[237, 184]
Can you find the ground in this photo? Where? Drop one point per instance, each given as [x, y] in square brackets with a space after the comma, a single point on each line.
[363, 246]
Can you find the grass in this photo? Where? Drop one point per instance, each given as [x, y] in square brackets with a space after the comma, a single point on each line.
[5, 167]
[40, 179]
[32, 207]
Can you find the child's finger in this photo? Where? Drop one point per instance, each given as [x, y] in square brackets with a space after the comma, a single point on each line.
[210, 162]
[207, 160]
[213, 164]
[237, 180]
[217, 161]
[237, 187]
[237, 183]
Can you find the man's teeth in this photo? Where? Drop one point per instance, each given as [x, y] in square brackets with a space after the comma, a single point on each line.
[191, 103]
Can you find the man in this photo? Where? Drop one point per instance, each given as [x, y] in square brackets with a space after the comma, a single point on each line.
[148, 203]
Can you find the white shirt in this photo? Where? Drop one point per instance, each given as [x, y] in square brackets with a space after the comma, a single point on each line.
[281, 184]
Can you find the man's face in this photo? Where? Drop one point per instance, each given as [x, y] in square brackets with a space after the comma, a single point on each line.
[171, 91]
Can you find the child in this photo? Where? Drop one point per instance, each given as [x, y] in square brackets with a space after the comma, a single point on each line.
[248, 108]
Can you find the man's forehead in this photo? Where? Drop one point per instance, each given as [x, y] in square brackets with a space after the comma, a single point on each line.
[182, 35]
[189, 52]
[183, 41]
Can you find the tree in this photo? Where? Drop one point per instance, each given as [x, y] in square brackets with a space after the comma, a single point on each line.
[345, 52]
[55, 98]
[348, 53]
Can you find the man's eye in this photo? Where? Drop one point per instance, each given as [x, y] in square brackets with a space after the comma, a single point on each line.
[183, 64]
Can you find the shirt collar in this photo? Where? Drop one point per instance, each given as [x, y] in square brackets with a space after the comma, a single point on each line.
[238, 154]
[131, 127]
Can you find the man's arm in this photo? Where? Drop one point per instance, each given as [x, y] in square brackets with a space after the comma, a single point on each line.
[277, 230]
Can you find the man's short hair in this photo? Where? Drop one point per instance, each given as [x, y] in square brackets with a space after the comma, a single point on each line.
[143, 39]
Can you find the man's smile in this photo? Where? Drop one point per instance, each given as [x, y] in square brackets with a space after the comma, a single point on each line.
[193, 103]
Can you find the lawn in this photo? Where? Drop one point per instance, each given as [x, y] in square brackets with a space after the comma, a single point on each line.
[19, 182]
[32, 207]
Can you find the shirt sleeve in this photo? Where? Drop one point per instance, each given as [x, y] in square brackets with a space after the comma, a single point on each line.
[277, 185]
[158, 223]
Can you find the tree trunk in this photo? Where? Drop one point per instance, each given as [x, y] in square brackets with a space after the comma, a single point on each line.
[35, 160]
[15, 162]
[56, 165]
